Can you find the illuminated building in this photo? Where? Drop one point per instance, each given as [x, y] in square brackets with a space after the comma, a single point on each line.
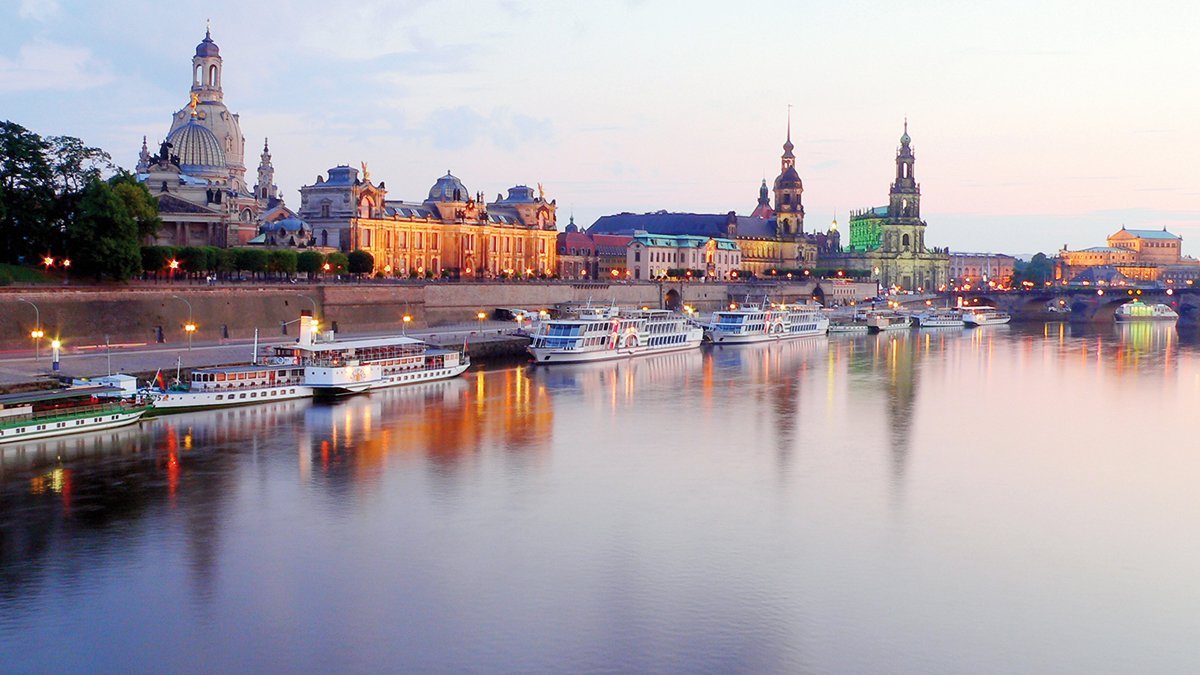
[1130, 256]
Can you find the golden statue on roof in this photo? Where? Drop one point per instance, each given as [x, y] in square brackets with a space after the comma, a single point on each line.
[195, 100]
[366, 174]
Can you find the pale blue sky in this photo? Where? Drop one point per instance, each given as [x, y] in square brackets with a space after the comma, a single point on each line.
[1035, 123]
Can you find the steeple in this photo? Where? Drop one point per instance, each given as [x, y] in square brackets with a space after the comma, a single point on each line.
[789, 191]
[265, 191]
[764, 194]
[143, 164]
[788, 159]
[206, 70]
[905, 202]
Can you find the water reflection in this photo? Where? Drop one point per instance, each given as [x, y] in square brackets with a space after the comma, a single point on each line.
[704, 510]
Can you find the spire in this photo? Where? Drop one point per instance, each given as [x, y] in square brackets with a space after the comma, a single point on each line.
[143, 164]
[905, 139]
[787, 145]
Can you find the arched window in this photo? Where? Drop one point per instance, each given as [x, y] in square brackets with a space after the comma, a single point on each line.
[325, 237]
[197, 75]
[212, 76]
[904, 241]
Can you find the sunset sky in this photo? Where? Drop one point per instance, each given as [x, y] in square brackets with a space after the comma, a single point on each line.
[1035, 123]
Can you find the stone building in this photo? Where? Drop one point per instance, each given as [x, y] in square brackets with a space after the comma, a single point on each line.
[451, 232]
[887, 243]
[1136, 255]
[653, 256]
[582, 255]
[982, 267]
[198, 174]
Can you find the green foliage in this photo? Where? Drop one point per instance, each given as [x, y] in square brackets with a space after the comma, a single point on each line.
[338, 263]
[27, 197]
[226, 260]
[103, 236]
[6, 277]
[251, 260]
[282, 261]
[24, 274]
[360, 262]
[1038, 270]
[155, 258]
[309, 262]
[192, 259]
[139, 202]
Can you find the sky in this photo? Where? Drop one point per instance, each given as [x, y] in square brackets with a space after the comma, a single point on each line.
[1035, 123]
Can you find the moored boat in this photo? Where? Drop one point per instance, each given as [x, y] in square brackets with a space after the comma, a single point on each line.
[1140, 311]
[43, 414]
[754, 323]
[599, 334]
[940, 318]
[226, 386]
[887, 319]
[984, 316]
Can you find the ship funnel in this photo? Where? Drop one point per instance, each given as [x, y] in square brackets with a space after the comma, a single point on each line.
[308, 326]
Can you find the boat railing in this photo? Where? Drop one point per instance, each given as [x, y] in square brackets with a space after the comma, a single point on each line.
[71, 412]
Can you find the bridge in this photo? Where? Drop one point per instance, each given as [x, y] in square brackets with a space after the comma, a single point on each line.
[1081, 303]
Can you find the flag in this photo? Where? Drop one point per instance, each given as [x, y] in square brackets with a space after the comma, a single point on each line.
[159, 380]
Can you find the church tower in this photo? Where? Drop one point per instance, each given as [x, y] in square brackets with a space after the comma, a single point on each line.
[265, 191]
[789, 190]
[903, 230]
[206, 69]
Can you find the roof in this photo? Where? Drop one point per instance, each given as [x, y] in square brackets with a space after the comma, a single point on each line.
[1149, 234]
[699, 224]
[1105, 273]
[407, 209]
[682, 241]
[1104, 249]
[340, 345]
[169, 203]
[56, 394]
[877, 212]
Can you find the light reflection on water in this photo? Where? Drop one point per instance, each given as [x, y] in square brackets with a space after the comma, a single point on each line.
[1002, 498]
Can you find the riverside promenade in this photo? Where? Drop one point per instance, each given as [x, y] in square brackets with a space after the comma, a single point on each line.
[19, 369]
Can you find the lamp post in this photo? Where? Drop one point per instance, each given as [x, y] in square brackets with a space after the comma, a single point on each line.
[404, 326]
[37, 333]
[314, 303]
[481, 316]
[54, 346]
[188, 327]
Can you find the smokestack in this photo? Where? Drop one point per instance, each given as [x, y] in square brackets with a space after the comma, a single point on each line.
[306, 328]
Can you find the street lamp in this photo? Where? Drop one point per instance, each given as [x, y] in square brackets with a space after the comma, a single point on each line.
[188, 327]
[314, 302]
[481, 316]
[37, 333]
[404, 327]
[173, 265]
[54, 346]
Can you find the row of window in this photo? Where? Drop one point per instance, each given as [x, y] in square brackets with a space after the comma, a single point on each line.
[254, 394]
[57, 425]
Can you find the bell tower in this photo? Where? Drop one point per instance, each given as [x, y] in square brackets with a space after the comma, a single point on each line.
[265, 191]
[789, 192]
[206, 70]
[903, 229]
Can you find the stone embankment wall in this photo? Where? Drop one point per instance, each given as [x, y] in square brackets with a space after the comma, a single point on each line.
[86, 315]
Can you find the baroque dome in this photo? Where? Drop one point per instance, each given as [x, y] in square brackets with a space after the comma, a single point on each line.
[448, 189]
[198, 149]
[207, 47]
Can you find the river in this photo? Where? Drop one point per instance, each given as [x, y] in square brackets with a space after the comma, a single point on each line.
[1000, 499]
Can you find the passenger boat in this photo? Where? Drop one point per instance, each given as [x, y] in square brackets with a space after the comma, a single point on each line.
[984, 316]
[887, 319]
[849, 326]
[609, 333]
[1140, 311]
[752, 323]
[231, 385]
[333, 367]
[43, 414]
[940, 318]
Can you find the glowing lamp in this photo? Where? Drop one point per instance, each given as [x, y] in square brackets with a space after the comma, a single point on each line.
[55, 344]
[48, 261]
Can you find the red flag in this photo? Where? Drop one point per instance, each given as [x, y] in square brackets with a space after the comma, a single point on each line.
[160, 380]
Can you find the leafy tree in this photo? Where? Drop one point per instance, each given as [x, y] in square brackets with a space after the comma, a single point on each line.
[155, 258]
[282, 261]
[139, 202]
[1038, 270]
[192, 259]
[251, 260]
[309, 262]
[75, 165]
[338, 263]
[27, 197]
[360, 262]
[226, 261]
[103, 236]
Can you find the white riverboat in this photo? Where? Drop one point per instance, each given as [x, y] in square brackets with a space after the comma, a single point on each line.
[754, 323]
[42, 414]
[940, 318]
[227, 386]
[598, 334]
[333, 366]
[887, 319]
[984, 316]
[1140, 311]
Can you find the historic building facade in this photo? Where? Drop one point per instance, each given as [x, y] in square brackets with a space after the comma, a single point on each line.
[1130, 256]
[888, 243]
[971, 268]
[198, 174]
[583, 256]
[452, 232]
[654, 256]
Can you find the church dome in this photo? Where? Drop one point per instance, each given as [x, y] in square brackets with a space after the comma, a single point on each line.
[198, 149]
[207, 47]
[448, 189]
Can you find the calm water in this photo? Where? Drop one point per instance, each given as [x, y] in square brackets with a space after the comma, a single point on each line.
[1006, 499]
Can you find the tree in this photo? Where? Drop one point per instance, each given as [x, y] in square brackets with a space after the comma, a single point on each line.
[192, 259]
[251, 260]
[282, 261]
[1037, 271]
[27, 198]
[226, 261]
[102, 235]
[139, 202]
[360, 262]
[155, 258]
[338, 263]
[309, 262]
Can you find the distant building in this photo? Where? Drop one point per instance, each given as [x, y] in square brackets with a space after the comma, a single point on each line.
[198, 174]
[653, 256]
[982, 267]
[1137, 255]
[449, 233]
[887, 243]
[582, 255]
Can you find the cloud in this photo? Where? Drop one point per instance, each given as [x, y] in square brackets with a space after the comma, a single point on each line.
[460, 127]
[38, 10]
[43, 65]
